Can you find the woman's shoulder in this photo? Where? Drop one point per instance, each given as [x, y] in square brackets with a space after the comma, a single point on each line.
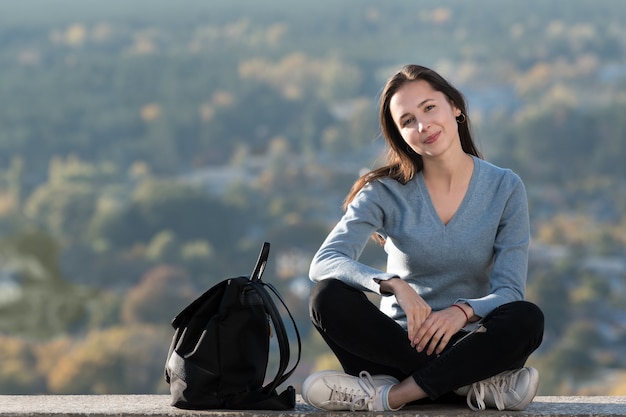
[493, 172]
[388, 185]
[385, 189]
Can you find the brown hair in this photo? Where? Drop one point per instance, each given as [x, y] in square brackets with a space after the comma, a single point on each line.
[402, 161]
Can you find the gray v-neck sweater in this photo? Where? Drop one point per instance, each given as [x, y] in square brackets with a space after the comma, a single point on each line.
[479, 257]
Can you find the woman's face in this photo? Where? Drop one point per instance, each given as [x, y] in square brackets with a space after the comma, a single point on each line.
[425, 118]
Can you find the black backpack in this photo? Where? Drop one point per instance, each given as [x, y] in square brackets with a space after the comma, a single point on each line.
[220, 350]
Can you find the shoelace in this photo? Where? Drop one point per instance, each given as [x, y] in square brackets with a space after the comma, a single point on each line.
[358, 399]
[498, 385]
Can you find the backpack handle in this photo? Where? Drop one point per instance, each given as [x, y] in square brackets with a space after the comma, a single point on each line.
[261, 263]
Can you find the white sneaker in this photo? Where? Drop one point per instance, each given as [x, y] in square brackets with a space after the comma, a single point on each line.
[510, 390]
[337, 391]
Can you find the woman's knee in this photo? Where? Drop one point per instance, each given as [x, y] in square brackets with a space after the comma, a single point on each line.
[535, 321]
[530, 314]
[519, 310]
[329, 298]
[526, 310]
[521, 319]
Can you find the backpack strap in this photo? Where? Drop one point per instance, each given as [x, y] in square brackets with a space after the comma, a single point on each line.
[281, 334]
[279, 327]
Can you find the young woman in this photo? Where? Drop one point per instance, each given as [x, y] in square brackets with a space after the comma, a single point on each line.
[452, 321]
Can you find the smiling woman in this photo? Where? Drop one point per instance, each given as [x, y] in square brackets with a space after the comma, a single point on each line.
[452, 321]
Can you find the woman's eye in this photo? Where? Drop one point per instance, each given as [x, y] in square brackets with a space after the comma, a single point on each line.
[429, 107]
[407, 122]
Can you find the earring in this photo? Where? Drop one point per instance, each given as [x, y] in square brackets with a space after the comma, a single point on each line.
[461, 118]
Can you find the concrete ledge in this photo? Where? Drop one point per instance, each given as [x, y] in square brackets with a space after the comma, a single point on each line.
[159, 406]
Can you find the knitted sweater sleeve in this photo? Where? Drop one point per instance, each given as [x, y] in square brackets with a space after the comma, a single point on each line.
[338, 256]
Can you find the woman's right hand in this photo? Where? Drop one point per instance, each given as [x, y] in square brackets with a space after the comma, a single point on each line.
[413, 305]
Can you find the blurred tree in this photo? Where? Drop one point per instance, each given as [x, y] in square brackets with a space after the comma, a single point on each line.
[186, 211]
[47, 354]
[590, 292]
[46, 304]
[64, 210]
[163, 247]
[66, 203]
[103, 310]
[297, 76]
[161, 294]
[572, 359]
[117, 360]
[102, 267]
[545, 285]
[14, 181]
[18, 367]
[197, 256]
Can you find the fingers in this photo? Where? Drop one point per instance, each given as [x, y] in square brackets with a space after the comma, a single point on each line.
[434, 334]
[438, 342]
[428, 338]
[435, 343]
[414, 306]
[416, 320]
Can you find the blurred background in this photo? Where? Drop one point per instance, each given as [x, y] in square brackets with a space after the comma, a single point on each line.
[149, 147]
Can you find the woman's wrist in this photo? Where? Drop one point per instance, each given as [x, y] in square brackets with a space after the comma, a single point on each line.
[388, 286]
[467, 317]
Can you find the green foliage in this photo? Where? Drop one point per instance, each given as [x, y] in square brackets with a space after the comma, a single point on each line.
[162, 210]
[162, 247]
[64, 209]
[40, 302]
[567, 145]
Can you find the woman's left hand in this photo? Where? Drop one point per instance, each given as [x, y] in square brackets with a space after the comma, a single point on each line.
[437, 330]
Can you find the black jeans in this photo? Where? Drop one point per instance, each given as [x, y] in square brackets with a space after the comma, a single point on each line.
[364, 338]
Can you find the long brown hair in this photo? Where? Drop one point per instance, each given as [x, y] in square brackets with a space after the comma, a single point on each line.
[403, 163]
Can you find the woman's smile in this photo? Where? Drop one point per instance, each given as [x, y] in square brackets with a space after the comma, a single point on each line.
[432, 138]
